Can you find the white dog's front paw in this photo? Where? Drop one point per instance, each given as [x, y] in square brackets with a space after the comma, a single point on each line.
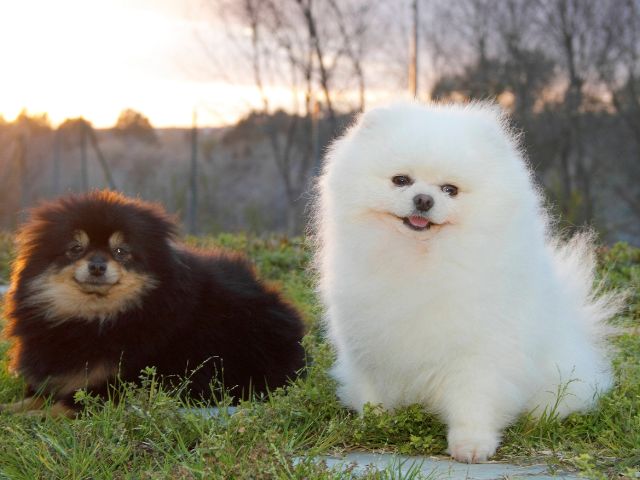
[472, 446]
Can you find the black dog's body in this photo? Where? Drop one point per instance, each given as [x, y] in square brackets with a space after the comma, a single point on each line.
[199, 311]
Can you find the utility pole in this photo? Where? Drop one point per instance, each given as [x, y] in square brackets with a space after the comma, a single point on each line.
[84, 169]
[193, 177]
[56, 161]
[413, 52]
[315, 136]
[21, 163]
[103, 161]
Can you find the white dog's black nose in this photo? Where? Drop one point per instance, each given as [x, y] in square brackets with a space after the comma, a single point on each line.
[423, 202]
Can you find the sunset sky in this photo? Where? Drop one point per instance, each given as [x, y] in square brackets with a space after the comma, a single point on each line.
[93, 58]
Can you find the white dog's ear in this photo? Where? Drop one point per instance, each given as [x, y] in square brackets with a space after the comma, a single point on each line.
[387, 113]
[490, 113]
[497, 125]
[371, 118]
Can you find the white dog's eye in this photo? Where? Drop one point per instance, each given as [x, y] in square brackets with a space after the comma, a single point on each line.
[450, 190]
[402, 180]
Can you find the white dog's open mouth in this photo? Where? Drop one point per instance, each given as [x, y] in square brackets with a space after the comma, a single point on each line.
[417, 222]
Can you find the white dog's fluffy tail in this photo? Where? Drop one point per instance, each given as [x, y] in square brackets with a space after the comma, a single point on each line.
[575, 262]
[583, 355]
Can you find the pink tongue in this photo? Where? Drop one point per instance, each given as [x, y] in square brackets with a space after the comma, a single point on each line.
[418, 221]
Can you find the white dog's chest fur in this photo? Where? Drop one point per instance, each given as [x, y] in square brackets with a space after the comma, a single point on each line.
[407, 325]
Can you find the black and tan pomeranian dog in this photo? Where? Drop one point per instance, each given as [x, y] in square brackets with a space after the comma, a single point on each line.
[100, 289]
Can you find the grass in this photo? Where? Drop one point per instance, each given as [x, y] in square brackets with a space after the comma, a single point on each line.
[6, 254]
[146, 436]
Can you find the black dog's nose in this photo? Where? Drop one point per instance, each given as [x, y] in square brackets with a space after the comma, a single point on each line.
[423, 202]
[97, 265]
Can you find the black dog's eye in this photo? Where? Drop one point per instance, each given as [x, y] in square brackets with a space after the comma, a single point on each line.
[121, 253]
[402, 180]
[75, 250]
[450, 190]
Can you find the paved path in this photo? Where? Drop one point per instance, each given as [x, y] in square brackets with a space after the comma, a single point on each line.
[441, 468]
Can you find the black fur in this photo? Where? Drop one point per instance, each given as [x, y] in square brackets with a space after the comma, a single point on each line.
[208, 311]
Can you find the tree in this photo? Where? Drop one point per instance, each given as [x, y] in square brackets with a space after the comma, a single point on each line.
[78, 131]
[586, 38]
[621, 72]
[316, 48]
[134, 125]
[544, 53]
[32, 124]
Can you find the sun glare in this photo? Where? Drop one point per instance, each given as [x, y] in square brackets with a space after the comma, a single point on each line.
[94, 58]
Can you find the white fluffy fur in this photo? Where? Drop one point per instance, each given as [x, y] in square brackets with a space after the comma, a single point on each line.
[480, 319]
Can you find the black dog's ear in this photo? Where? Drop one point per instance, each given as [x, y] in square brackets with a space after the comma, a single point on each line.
[154, 220]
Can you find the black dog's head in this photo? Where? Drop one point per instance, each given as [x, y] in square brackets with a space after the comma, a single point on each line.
[92, 256]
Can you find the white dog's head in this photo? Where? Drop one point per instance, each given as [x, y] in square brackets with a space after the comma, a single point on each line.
[422, 169]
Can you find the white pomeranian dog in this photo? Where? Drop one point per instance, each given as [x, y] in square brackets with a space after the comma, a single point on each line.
[441, 281]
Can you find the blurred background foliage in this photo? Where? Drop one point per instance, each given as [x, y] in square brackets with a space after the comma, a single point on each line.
[568, 71]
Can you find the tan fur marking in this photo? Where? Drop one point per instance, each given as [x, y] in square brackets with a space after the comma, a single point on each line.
[56, 410]
[111, 277]
[24, 405]
[62, 385]
[89, 377]
[116, 240]
[59, 409]
[35, 406]
[63, 298]
[81, 237]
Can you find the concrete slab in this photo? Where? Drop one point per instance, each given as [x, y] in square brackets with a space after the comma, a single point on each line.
[440, 468]
[208, 412]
